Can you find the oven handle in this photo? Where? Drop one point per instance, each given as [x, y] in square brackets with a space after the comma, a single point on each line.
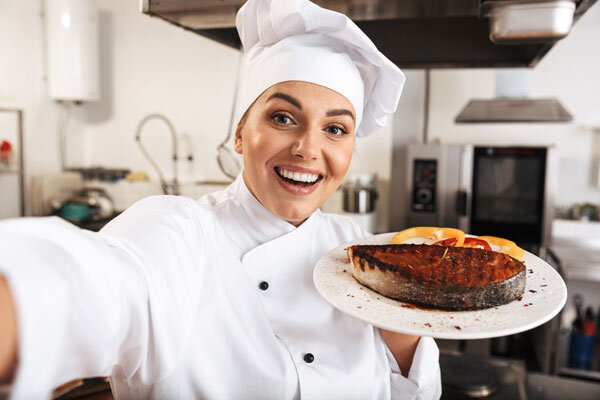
[461, 203]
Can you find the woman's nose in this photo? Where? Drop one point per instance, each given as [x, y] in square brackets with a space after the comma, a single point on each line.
[306, 144]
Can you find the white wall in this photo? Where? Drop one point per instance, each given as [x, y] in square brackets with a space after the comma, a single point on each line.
[22, 83]
[152, 66]
[568, 72]
[149, 66]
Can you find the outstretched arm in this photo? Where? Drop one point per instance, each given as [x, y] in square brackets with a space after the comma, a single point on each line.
[68, 303]
[8, 333]
[76, 304]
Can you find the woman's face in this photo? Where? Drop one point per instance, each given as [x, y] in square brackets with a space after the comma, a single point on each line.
[296, 142]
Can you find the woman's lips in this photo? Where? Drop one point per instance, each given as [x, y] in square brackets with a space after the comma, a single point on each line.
[295, 168]
[296, 189]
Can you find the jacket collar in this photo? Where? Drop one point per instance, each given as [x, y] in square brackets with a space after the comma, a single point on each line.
[263, 224]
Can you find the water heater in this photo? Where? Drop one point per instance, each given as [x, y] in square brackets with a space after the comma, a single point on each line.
[72, 44]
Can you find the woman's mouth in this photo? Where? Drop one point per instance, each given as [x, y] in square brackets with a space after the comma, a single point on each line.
[297, 178]
[297, 182]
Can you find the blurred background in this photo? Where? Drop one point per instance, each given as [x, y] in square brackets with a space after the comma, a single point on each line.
[105, 102]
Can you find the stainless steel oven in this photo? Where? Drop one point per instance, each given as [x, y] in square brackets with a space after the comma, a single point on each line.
[483, 190]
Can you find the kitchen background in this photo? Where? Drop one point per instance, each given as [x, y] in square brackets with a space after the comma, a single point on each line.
[150, 66]
[146, 66]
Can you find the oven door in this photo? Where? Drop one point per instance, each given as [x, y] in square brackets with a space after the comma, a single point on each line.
[508, 193]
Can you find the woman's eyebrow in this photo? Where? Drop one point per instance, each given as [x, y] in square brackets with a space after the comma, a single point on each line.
[293, 101]
[340, 111]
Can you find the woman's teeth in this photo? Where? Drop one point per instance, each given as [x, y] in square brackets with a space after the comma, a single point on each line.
[297, 177]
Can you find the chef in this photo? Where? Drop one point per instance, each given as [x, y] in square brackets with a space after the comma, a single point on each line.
[184, 299]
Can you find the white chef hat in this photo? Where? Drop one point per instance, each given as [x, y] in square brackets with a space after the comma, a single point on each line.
[287, 40]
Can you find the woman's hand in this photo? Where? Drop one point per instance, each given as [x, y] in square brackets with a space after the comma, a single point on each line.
[403, 348]
[8, 333]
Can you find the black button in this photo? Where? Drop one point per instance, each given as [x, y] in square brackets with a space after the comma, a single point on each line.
[308, 358]
[263, 285]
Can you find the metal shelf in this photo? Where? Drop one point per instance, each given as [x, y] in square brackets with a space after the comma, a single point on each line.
[584, 274]
[580, 373]
[20, 160]
[580, 262]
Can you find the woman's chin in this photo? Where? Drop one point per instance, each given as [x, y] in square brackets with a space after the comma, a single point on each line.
[294, 217]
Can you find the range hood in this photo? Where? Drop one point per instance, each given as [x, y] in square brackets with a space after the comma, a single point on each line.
[414, 33]
[513, 110]
[512, 103]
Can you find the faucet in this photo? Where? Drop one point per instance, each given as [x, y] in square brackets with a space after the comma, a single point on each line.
[168, 188]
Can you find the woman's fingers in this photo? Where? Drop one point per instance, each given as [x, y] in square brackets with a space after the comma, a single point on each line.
[8, 333]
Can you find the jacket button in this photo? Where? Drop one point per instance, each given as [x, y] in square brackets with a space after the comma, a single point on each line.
[308, 358]
[263, 285]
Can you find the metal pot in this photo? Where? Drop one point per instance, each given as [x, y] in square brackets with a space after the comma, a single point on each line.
[360, 194]
[100, 203]
[359, 200]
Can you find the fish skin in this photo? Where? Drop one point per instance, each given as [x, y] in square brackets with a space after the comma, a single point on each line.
[448, 278]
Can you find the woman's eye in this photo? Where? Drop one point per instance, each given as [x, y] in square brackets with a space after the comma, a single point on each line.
[336, 130]
[283, 119]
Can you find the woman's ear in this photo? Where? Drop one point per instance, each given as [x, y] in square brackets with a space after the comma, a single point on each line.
[237, 144]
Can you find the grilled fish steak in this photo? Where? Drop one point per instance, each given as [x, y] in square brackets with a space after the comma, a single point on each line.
[448, 278]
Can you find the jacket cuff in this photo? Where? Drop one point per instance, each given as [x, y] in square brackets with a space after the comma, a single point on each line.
[424, 379]
[39, 318]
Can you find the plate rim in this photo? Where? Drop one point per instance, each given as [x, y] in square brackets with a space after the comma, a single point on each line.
[428, 332]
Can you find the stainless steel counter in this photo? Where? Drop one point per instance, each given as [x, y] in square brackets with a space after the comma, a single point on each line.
[577, 244]
[500, 378]
[547, 387]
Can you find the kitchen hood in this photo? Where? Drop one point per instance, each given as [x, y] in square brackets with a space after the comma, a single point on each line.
[416, 33]
[513, 110]
[512, 103]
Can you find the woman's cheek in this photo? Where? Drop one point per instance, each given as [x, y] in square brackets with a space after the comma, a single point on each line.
[256, 145]
[265, 138]
[342, 158]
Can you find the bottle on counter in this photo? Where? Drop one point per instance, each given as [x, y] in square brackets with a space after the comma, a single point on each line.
[598, 339]
[583, 338]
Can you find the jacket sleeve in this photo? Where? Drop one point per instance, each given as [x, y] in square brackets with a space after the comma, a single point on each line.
[424, 379]
[89, 303]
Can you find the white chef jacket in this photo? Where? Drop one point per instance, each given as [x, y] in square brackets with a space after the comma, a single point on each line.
[184, 299]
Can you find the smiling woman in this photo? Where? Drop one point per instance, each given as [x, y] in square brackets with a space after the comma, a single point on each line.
[296, 148]
[214, 298]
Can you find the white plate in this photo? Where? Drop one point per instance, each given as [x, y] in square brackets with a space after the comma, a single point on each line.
[545, 295]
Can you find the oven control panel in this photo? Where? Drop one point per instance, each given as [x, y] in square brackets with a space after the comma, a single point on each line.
[423, 187]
